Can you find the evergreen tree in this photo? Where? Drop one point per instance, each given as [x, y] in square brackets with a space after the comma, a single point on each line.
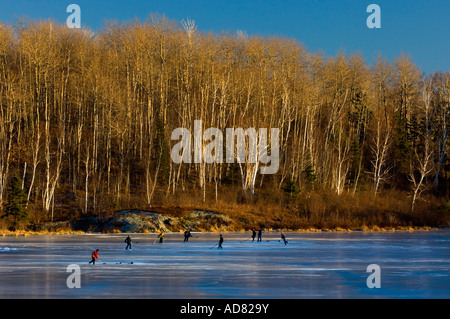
[291, 188]
[17, 202]
[309, 172]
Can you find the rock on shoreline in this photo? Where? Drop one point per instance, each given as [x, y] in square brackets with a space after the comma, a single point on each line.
[137, 221]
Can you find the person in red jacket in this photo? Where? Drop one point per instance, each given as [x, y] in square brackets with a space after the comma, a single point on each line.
[94, 256]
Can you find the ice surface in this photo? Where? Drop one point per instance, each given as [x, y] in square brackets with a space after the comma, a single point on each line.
[312, 265]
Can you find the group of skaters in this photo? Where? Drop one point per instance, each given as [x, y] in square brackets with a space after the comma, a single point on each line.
[283, 237]
[187, 235]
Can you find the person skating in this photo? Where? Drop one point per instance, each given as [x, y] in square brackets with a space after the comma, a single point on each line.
[161, 237]
[94, 256]
[187, 234]
[253, 235]
[260, 234]
[128, 241]
[283, 237]
[220, 242]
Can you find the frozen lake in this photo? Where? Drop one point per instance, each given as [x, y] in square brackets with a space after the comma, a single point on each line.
[312, 265]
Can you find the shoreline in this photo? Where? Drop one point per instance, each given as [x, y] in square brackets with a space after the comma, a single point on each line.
[26, 233]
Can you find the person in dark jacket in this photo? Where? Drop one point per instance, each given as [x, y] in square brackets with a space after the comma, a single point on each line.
[187, 234]
[283, 237]
[253, 235]
[128, 241]
[220, 242]
[260, 234]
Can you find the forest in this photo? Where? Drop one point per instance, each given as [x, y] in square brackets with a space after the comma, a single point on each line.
[86, 121]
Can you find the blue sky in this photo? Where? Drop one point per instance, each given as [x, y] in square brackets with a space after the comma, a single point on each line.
[420, 28]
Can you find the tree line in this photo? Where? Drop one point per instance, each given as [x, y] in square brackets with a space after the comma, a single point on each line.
[86, 118]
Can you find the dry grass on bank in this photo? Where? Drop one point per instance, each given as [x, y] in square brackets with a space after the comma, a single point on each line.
[317, 211]
[310, 211]
[25, 233]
